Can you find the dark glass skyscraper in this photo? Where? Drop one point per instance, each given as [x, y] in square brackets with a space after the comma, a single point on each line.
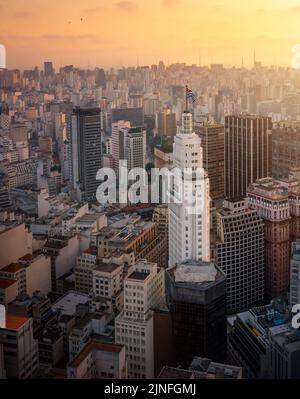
[248, 152]
[85, 152]
[196, 295]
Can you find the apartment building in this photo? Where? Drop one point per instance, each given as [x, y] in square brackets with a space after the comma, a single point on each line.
[144, 289]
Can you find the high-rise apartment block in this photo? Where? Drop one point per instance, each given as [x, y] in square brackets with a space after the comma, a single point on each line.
[212, 142]
[286, 149]
[135, 147]
[85, 265]
[108, 284]
[248, 152]
[48, 69]
[239, 253]
[166, 123]
[144, 290]
[117, 145]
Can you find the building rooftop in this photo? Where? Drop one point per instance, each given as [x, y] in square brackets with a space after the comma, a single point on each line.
[14, 322]
[172, 373]
[272, 189]
[94, 346]
[107, 267]
[91, 251]
[202, 369]
[27, 257]
[68, 303]
[135, 130]
[220, 371]
[195, 272]
[13, 268]
[138, 276]
[86, 111]
[6, 283]
[259, 320]
[65, 318]
[286, 337]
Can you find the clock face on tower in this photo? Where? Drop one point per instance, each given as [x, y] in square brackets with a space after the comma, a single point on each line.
[2, 56]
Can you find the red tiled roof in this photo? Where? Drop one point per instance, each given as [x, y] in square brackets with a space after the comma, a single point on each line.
[27, 257]
[6, 283]
[91, 250]
[114, 348]
[14, 322]
[12, 268]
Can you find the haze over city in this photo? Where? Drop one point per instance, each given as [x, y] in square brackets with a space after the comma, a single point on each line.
[149, 194]
[117, 33]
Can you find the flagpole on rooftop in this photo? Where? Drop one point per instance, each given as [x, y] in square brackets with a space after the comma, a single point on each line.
[186, 99]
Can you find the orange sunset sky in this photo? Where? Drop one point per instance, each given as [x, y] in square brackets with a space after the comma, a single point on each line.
[116, 33]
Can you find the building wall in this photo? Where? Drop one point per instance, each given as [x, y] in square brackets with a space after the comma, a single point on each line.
[286, 150]
[2, 369]
[14, 243]
[248, 152]
[277, 255]
[9, 294]
[189, 232]
[21, 362]
[198, 320]
[67, 257]
[163, 341]
[100, 364]
[240, 255]
[38, 276]
[212, 142]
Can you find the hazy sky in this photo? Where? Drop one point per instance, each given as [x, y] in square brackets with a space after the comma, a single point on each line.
[116, 32]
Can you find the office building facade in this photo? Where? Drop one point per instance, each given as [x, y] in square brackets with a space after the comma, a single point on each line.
[212, 142]
[240, 254]
[248, 152]
[86, 152]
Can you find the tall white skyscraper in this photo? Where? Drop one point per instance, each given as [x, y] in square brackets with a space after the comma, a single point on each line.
[190, 231]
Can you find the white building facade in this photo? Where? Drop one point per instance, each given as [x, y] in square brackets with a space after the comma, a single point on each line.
[189, 235]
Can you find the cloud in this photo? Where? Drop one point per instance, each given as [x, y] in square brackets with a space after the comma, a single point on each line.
[127, 6]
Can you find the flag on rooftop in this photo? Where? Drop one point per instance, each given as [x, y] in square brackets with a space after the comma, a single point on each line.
[191, 95]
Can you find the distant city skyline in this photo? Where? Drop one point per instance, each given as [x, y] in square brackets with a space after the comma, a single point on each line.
[127, 33]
